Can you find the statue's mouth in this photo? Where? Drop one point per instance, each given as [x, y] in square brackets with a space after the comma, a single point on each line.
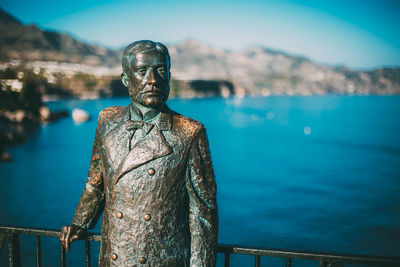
[154, 91]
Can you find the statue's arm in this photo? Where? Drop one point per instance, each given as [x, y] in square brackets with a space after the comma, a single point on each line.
[203, 214]
[91, 203]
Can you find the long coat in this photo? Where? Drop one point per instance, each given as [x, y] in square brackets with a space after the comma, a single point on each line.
[159, 198]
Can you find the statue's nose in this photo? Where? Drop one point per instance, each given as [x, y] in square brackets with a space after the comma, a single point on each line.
[151, 79]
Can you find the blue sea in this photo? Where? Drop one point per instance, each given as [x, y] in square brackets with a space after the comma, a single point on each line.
[319, 173]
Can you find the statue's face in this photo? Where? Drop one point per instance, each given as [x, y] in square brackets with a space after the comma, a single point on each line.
[148, 78]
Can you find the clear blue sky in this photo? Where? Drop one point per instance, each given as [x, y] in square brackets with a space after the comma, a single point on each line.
[359, 34]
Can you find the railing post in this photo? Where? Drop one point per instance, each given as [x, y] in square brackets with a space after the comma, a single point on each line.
[322, 263]
[328, 263]
[13, 251]
[87, 252]
[257, 261]
[2, 241]
[62, 256]
[288, 262]
[38, 252]
[227, 259]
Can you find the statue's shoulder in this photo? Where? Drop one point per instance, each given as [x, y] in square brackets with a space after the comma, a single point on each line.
[112, 114]
[185, 124]
[110, 117]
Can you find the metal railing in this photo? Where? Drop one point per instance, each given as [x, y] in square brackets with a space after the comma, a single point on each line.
[324, 259]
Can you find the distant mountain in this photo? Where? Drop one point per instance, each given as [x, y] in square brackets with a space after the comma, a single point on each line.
[253, 71]
[28, 42]
[259, 70]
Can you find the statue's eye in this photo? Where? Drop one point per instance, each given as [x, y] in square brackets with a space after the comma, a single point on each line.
[142, 72]
[162, 71]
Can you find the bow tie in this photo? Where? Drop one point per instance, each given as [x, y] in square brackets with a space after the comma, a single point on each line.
[134, 125]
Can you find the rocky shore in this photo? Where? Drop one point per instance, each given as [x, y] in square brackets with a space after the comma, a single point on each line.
[21, 109]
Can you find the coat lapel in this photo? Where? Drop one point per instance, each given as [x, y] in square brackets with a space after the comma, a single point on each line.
[116, 143]
[152, 147]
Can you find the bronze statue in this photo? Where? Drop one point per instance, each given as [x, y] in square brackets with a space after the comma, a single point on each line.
[151, 173]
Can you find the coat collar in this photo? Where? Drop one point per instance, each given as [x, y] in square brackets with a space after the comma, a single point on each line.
[161, 118]
[151, 147]
[164, 119]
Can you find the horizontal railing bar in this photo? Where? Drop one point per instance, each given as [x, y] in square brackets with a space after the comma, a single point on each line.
[233, 249]
[42, 232]
[306, 255]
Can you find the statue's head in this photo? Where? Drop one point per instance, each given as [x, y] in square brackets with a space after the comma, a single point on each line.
[146, 72]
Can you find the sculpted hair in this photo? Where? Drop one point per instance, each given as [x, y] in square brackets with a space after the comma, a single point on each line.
[139, 47]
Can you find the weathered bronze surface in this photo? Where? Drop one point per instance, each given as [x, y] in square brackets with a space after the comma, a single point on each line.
[151, 173]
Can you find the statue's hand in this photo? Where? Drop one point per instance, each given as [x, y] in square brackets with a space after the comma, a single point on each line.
[69, 234]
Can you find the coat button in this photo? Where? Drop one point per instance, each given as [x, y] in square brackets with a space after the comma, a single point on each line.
[119, 215]
[142, 260]
[114, 256]
[151, 171]
[147, 217]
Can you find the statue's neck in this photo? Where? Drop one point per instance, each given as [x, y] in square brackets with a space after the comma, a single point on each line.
[141, 112]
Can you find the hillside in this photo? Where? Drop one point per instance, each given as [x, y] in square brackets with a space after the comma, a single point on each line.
[253, 71]
[28, 42]
[258, 70]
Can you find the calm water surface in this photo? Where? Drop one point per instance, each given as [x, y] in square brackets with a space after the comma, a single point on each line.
[306, 173]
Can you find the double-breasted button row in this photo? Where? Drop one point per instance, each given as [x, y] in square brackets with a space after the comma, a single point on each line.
[142, 260]
[151, 171]
[146, 217]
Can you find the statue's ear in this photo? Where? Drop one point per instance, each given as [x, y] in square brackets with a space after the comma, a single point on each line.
[125, 79]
